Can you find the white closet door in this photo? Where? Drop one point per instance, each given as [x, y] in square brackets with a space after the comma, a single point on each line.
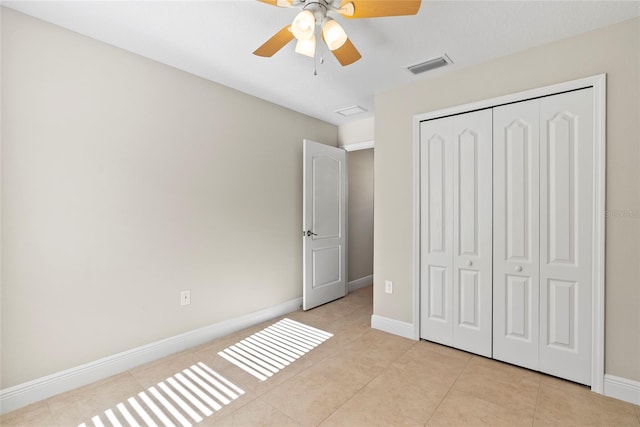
[472, 232]
[566, 224]
[516, 233]
[456, 231]
[436, 219]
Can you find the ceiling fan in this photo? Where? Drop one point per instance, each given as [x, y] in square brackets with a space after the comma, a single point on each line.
[315, 15]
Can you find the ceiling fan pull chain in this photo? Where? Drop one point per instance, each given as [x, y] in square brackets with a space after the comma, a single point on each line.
[320, 44]
[315, 67]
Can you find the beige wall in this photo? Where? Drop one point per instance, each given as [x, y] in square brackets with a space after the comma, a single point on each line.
[614, 51]
[360, 165]
[362, 130]
[125, 181]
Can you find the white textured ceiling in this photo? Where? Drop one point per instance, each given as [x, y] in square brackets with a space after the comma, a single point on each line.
[215, 40]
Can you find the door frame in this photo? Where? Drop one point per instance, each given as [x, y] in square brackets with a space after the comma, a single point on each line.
[598, 83]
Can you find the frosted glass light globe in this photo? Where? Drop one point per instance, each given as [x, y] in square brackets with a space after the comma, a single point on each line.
[307, 47]
[333, 34]
[303, 25]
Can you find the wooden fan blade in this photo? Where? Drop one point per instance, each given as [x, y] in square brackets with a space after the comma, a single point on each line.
[275, 43]
[347, 53]
[279, 3]
[379, 8]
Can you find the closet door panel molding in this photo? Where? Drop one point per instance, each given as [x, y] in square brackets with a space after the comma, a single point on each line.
[516, 223]
[472, 231]
[566, 187]
[436, 157]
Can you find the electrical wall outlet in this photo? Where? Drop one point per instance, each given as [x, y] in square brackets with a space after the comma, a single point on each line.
[388, 286]
[185, 297]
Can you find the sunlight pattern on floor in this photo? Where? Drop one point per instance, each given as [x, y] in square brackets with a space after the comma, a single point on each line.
[272, 349]
[180, 400]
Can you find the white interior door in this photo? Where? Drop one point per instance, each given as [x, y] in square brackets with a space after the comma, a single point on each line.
[324, 224]
[456, 233]
[516, 233]
[566, 225]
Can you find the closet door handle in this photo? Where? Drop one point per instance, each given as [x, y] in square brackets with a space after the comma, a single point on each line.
[469, 263]
[518, 268]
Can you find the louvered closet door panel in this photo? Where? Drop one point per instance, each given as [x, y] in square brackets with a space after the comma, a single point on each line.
[566, 224]
[472, 234]
[436, 216]
[516, 233]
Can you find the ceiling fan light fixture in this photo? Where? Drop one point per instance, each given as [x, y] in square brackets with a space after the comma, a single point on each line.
[333, 34]
[304, 25]
[306, 47]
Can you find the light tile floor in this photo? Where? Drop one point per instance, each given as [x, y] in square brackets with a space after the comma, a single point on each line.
[359, 377]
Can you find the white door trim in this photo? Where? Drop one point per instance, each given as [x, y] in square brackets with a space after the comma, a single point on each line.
[356, 146]
[598, 83]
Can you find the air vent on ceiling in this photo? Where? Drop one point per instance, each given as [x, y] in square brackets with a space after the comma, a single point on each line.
[351, 111]
[430, 64]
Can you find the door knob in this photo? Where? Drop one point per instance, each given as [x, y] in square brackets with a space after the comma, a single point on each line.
[469, 263]
[310, 233]
[518, 269]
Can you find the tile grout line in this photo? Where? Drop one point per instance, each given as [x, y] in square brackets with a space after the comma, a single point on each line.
[264, 402]
[366, 384]
[336, 352]
[535, 408]
[450, 388]
[54, 420]
[262, 395]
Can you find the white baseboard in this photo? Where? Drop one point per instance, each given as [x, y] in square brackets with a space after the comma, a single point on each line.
[359, 283]
[33, 391]
[392, 326]
[622, 388]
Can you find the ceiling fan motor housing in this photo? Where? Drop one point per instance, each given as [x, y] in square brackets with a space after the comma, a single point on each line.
[319, 9]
